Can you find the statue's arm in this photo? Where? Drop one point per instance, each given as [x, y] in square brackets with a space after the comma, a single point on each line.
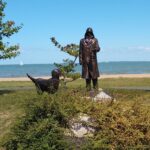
[97, 47]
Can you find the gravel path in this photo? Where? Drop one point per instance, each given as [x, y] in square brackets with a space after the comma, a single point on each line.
[143, 88]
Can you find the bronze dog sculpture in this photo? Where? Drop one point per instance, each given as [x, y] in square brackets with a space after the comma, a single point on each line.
[47, 85]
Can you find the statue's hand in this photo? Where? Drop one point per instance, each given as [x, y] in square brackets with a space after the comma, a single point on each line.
[80, 62]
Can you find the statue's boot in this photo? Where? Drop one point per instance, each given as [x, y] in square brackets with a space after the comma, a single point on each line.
[95, 84]
[88, 84]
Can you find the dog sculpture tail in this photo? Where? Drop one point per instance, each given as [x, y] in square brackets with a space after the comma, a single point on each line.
[36, 84]
[32, 79]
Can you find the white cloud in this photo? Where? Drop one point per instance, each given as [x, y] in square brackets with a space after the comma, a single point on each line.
[145, 48]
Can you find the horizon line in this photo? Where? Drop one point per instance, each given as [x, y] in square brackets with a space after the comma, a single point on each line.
[76, 63]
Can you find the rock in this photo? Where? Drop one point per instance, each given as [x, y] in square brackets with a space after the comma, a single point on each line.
[100, 97]
[103, 97]
[80, 127]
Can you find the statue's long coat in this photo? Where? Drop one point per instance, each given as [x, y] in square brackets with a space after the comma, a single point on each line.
[88, 58]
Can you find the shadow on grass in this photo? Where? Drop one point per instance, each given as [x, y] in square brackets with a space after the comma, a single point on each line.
[2, 92]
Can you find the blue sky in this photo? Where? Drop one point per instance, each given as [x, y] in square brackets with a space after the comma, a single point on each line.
[122, 28]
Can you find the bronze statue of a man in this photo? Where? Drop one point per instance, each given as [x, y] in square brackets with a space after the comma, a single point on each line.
[88, 58]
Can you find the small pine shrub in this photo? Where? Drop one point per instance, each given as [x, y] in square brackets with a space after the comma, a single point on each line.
[42, 127]
[120, 125]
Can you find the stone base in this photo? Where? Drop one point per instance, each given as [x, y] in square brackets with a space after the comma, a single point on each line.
[102, 97]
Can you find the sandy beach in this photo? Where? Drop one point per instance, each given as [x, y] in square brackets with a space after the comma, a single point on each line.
[101, 77]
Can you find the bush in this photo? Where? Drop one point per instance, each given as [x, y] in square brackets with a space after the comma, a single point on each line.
[124, 125]
[121, 125]
[42, 127]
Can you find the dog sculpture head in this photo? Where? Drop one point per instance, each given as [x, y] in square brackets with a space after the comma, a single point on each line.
[56, 73]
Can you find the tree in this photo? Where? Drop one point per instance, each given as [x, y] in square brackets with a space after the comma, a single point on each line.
[7, 29]
[67, 67]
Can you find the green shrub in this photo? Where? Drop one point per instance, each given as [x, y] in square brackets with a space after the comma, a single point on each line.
[121, 125]
[124, 125]
[42, 127]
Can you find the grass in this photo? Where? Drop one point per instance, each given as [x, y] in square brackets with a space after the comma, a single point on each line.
[12, 84]
[12, 106]
[13, 102]
[104, 83]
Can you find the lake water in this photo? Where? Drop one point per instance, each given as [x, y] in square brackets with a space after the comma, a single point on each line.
[104, 67]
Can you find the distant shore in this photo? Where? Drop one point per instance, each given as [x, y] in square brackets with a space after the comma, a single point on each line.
[104, 76]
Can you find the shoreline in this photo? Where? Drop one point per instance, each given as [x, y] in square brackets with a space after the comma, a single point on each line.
[103, 76]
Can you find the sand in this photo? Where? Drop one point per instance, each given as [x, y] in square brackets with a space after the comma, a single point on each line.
[101, 77]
